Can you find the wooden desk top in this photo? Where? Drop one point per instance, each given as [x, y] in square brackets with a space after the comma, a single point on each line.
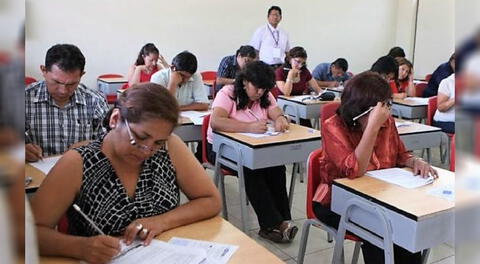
[296, 133]
[184, 121]
[216, 230]
[415, 128]
[113, 80]
[296, 99]
[414, 202]
[37, 175]
[409, 103]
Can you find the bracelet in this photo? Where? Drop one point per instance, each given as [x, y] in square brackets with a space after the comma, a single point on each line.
[286, 117]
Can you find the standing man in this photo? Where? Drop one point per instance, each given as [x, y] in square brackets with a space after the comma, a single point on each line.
[331, 74]
[184, 82]
[271, 42]
[230, 65]
[60, 111]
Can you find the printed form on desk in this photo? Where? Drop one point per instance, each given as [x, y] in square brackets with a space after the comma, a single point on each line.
[400, 177]
[195, 116]
[418, 100]
[161, 252]
[46, 164]
[216, 253]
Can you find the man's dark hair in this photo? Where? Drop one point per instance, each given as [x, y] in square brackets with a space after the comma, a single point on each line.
[396, 52]
[246, 51]
[274, 8]
[185, 61]
[341, 63]
[67, 57]
[385, 65]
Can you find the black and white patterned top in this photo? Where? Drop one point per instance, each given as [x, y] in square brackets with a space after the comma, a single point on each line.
[103, 198]
[53, 128]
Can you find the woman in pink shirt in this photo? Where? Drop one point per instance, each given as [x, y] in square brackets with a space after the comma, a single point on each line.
[246, 106]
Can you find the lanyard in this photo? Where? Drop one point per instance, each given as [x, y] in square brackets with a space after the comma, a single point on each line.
[273, 36]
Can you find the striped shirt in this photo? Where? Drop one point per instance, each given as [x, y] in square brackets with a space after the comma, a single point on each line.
[53, 128]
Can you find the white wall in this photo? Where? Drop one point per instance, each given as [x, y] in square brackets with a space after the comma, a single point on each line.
[111, 32]
[435, 40]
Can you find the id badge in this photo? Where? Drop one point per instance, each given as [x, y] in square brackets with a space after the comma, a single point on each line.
[276, 53]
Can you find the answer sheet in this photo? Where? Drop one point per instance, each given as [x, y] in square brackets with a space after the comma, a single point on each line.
[161, 252]
[46, 164]
[216, 253]
[400, 177]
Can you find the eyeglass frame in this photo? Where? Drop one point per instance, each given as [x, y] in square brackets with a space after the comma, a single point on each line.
[134, 142]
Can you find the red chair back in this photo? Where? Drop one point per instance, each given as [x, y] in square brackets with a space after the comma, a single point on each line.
[209, 75]
[419, 88]
[431, 109]
[313, 180]
[428, 77]
[206, 122]
[62, 225]
[29, 80]
[328, 110]
[110, 75]
[452, 153]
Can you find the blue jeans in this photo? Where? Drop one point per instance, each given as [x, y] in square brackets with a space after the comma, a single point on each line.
[447, 127]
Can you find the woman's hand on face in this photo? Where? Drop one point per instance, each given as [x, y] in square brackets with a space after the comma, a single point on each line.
[423, 169]
[293, 73]
[258, 127]
[281, 124]
[141, 67]
[100, 249]
[379, 114]
[145, 229]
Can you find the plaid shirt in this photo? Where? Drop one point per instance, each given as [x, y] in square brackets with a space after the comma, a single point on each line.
[54, 129]
[228, 67]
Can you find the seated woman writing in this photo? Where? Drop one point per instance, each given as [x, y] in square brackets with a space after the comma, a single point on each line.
[246, 106]
[353, 146]
[128, 182]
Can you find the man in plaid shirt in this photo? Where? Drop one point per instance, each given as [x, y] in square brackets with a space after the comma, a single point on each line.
[60, 111]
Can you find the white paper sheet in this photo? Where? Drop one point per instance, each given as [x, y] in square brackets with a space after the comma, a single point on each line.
[446, 192]
[418, 100]
[403, 123]
[161, 252]
[46, 164]
[216, 253]
[400, 177]
[194, 114]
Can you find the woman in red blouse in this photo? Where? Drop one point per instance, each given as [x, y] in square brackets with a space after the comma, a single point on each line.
[350, 148]
[148, 62]
[405, 77]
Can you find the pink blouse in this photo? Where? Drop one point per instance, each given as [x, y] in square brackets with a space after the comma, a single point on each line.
[223, 99]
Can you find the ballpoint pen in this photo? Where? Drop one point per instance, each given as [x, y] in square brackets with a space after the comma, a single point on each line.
[29, 140]
[362, 114]
[77, 208]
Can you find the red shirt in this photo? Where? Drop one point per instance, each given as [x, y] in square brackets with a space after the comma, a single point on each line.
[338, 158]
[299, 88]
[144, 77]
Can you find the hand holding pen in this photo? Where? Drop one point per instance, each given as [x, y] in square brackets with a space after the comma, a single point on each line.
[100, 248]
[257, 127]
[33, 152]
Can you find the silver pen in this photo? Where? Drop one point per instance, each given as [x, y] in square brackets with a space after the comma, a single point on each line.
[77, 208]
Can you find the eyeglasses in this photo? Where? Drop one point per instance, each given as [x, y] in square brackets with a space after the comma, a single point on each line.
[141, 147]
[299, 62]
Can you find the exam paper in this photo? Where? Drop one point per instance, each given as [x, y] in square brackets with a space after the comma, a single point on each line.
[46, 164]
[195, 116]
[216, 253]
[446, 192]
[161, 252]
[419, 100]
[400, 177]
[403, 123]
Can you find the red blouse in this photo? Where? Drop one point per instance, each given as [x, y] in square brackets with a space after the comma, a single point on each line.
[144, 77]
[299, 88]
[338, 158]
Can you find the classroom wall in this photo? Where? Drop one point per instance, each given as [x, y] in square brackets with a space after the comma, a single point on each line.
[111, 32]
[435, 38]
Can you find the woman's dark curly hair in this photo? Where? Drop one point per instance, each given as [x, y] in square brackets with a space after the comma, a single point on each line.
[361, 92]
[261, 76]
